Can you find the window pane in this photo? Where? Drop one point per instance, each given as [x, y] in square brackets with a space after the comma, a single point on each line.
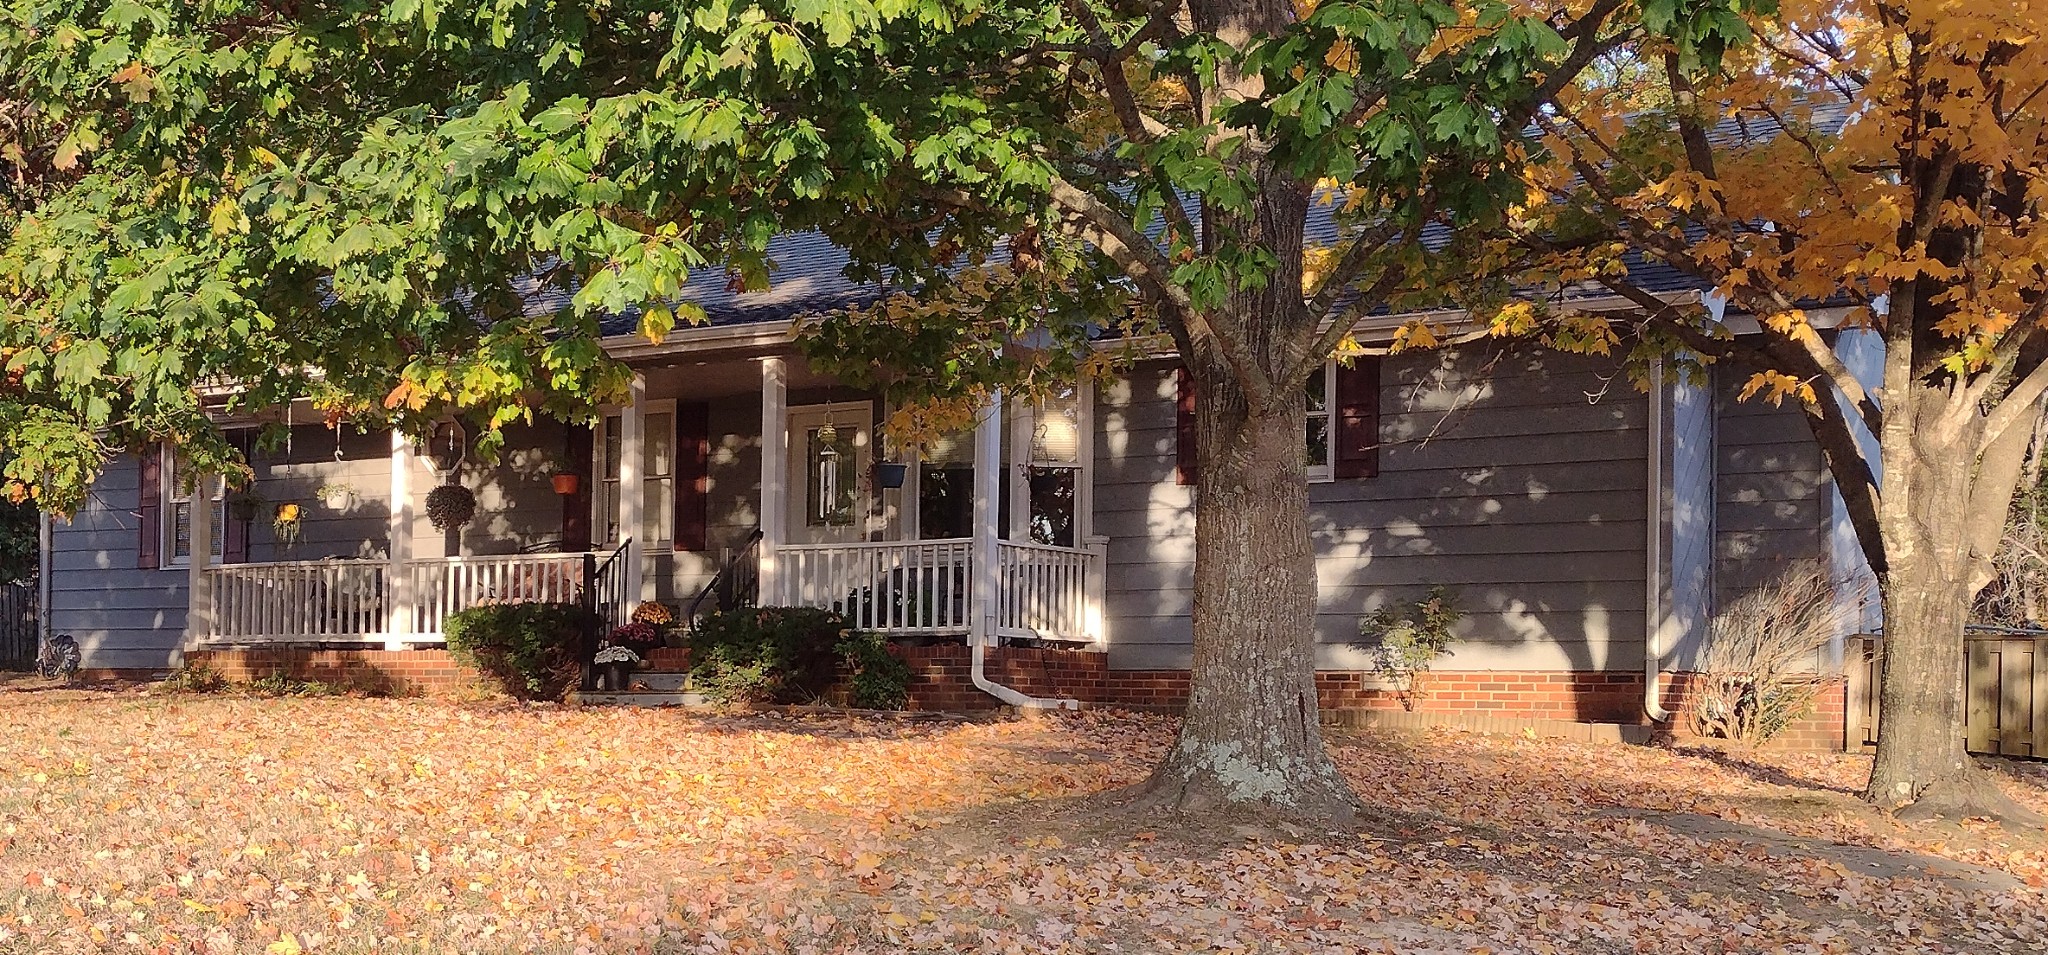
[829, 478]
[1052, 506]
[1318, 390]
[181, 529]
[1317, 450]
[655, 520]
[945, 501]
[608, 510]
[657, 447]
[609, 466]
[1056, 433]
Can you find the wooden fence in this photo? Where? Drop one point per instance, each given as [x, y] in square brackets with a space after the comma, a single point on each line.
[18, 624]
[2005, 693]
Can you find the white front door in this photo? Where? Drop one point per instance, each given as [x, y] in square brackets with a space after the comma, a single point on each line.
[830, 457]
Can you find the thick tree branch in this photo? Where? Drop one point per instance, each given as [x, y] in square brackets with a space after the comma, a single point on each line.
[1120, 240]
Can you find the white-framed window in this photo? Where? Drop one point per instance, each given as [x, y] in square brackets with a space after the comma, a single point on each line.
[657, 476]
[1053, 475]
[1316, 438]
[175, 485]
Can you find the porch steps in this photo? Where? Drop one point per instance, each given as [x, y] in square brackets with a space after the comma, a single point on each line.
[661, 688]
[641, 698]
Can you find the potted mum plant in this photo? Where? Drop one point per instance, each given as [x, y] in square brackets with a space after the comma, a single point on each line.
[657, 615]
[615, 665]
[637, 636]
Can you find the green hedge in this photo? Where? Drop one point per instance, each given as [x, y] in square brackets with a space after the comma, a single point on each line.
[793, 655]
[531, 649]
[766, 654]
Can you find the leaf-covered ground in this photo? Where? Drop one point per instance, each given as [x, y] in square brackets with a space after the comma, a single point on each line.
[220, 824]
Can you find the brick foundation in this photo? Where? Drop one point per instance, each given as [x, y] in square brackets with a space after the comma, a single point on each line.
[398, 672]
[941, 679]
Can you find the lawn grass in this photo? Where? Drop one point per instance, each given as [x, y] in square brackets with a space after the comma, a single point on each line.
[136, 822]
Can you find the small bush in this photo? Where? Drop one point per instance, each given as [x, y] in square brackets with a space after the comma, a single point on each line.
[880, 679]
[1757, 672]
[1409, 638]
[195, 678]
[530, 649]
[766, 654]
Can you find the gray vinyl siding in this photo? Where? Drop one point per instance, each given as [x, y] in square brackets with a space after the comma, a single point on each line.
[1772, 494]
[295, 471]
[1499, 478]
[122, 616]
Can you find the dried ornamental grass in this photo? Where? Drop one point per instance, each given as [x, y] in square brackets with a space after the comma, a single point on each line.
[1760, 670]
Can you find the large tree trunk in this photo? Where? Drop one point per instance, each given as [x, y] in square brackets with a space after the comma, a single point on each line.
[1931, 472]
[1251, 733]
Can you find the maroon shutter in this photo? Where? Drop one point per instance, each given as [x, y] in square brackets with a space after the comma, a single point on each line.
[693, 476]
[576, 457]
[1186, 454]
[234, 543]
[1356, 445]
[149, 506]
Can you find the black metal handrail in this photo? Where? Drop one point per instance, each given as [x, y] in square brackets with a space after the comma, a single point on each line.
[603, 586]
[737, 584]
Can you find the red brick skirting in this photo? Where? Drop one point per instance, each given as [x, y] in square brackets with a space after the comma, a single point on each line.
[398, 672]
[941, 679]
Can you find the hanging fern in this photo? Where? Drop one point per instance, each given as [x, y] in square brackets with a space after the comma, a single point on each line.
[451, 506]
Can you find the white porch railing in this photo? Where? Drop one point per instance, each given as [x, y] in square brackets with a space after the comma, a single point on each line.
[926, 587]
[316, 600]
[896, 587]
[1045, 591]
[907, 587]
[444, 587]
[340, 601]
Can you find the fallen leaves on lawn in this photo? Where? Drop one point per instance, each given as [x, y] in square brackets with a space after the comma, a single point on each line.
[224, 825]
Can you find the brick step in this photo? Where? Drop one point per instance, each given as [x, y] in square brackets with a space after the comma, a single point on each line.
[640, 698]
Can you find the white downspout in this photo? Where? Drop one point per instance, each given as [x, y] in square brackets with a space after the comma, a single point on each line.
[987, 585]
[1653, 554]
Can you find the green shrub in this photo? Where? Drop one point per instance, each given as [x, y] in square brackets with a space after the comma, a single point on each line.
[880, 679]
[766, 654]
[531, 649]
[1409, 638]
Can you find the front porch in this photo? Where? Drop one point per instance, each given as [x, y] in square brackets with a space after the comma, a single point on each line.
[985, 540]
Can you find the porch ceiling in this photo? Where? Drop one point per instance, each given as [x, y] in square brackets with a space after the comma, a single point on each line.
[692, 379]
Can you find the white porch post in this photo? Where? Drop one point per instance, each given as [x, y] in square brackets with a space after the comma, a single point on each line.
[399, 610]
[199, 583]
[632, 488]
[1021, 436]
[774, 474]
[988, 475]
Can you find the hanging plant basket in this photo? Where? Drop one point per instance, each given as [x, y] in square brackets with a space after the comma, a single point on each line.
[567, 483]
[285, 523]
[451, 506]
[338, 496]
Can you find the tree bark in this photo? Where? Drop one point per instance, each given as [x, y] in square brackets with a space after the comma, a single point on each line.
[1931, 472]
[1251, 733]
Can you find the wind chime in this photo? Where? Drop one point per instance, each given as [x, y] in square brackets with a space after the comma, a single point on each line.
[828, 467]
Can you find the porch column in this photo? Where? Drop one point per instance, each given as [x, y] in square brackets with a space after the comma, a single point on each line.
[399, 596]
[1021, 435]
[632, 489]
[987, 586]
[774, 473]
[198, 583]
